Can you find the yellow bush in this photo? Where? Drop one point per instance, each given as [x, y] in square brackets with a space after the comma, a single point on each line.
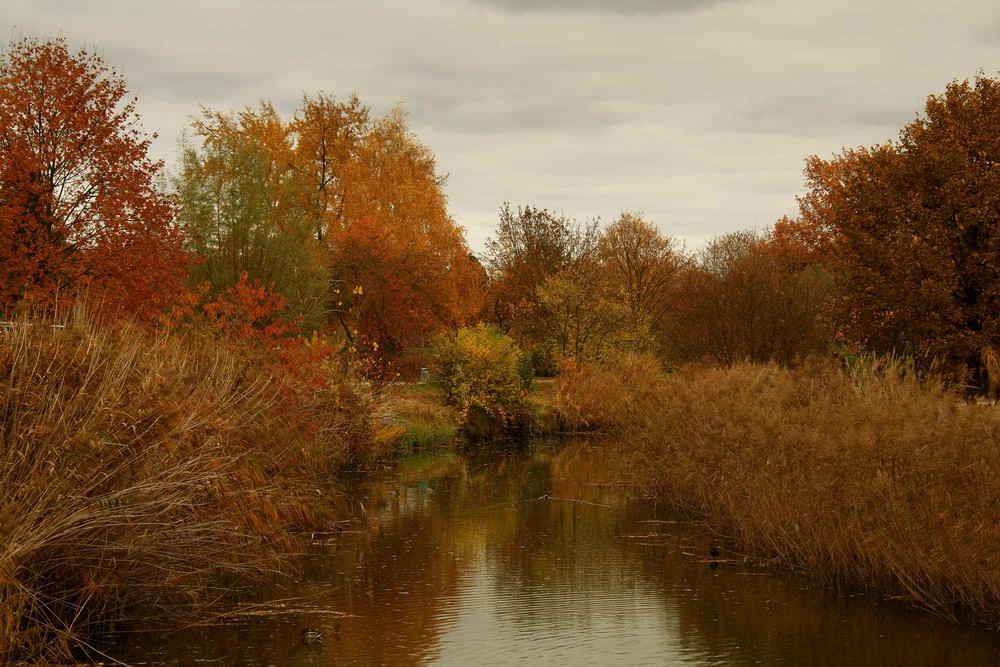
[486, 377]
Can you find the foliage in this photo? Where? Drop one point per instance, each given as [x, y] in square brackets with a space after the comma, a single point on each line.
[248, 211]
[585, 318]
[398, 244]
[250, 311]
[916, 229]
[531, 245]
[341, 214]
[643, 265]
[327, 137]
[741, 301]
[576, 291]
[79, 206]
[801, 242]
[484, 376]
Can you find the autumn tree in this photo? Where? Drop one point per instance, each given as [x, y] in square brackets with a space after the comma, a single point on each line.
[740, 301]
[916, 224]
[585, 316]
[249, 211]
[328, 136]
[79, 204]
[401, 263]
[342, 214]
[643, 265]
[531, 245]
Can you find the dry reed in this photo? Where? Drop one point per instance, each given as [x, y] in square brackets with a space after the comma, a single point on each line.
[590, 397]
[138, 475]
[874, 477]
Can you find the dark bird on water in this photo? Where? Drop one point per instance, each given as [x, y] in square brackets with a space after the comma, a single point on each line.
[311, 636]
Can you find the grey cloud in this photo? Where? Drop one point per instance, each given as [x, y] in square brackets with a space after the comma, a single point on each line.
[699, 113]
[602, 6]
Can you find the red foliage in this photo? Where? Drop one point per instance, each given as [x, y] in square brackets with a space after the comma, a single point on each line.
[386, 301]
[917, 230]
[249, 311]
[800, 242]
[79, 206]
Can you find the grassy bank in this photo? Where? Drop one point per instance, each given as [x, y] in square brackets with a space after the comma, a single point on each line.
[417, 416]
[867, 478]
[141, 474]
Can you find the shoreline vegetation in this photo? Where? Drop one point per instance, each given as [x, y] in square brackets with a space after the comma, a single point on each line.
[148, 474]
[155, 473]
[869, 476]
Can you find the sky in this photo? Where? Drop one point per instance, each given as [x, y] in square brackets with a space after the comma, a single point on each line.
[699, 114]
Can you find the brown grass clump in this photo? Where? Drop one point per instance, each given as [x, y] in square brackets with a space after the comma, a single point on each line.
[592, 397]
[870, 478]
[138, 473]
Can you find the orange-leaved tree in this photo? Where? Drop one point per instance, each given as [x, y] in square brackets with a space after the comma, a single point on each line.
[79, 204]
[403, 267]
[916, 226]
[327, 136]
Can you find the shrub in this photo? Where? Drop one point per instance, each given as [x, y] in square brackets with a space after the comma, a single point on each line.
[485, 378]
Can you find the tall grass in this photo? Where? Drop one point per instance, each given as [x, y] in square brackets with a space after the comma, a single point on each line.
[590, 397]
[872, 477]
[138, 474]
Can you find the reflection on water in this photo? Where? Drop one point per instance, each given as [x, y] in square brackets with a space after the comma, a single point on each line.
[536, 558]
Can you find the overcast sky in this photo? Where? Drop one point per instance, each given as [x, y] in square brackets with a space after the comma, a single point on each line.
[698, 113]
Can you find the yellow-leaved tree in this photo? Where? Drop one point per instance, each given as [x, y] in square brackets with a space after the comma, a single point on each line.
[343, 214]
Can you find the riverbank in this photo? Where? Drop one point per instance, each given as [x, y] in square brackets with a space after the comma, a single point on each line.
[869, 478]
[413, 416]
[146, 474]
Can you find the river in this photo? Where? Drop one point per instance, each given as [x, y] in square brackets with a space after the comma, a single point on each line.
[537, 557]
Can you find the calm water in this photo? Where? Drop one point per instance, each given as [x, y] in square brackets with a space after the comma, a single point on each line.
[537, 559]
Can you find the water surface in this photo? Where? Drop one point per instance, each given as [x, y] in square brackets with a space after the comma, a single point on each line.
[539, 558]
